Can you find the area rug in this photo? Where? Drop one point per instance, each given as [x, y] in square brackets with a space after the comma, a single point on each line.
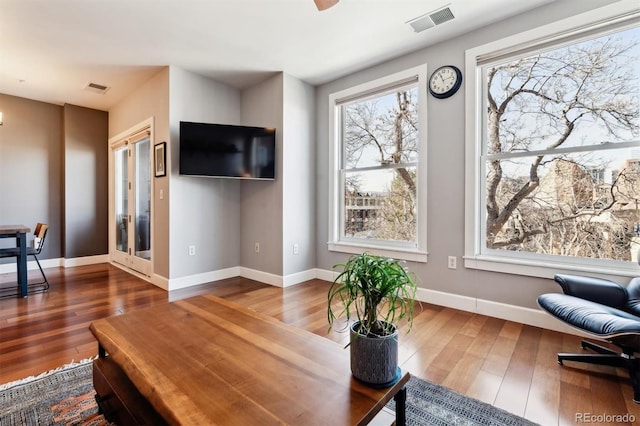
[65, 396]
[432, 404]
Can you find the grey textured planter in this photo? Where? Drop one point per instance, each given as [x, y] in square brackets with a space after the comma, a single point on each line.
[374, 360]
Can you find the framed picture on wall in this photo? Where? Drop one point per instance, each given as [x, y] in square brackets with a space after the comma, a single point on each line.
[160, 158]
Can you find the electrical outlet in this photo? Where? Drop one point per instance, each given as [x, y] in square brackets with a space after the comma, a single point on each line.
[296, 249]
[192, 250]
[452, 262]
[256, 248]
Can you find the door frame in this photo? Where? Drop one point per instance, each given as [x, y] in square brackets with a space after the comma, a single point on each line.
[145, 268]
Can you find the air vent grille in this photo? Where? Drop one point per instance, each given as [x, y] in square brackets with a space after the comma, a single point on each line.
[431, 19]
[441, 16]
[97, 88]
[421, 23]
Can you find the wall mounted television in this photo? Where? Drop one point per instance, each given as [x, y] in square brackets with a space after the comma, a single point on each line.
[227, 151]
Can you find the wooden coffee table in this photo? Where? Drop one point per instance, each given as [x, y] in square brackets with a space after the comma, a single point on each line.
[205, 360]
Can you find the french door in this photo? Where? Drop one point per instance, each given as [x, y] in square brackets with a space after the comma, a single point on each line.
[131, 212]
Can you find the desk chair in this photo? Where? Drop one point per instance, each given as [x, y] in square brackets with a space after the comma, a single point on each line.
[39, 234]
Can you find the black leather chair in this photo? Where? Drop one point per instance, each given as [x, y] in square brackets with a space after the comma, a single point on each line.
[606, 310]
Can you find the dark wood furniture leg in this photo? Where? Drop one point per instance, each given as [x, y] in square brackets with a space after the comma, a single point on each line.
[21, 239]
[118, 399]
[401, 407]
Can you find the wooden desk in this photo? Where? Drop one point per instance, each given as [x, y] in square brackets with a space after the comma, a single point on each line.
[205, 360]
[20, 234]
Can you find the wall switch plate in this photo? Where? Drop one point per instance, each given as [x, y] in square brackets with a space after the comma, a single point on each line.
[452, 262]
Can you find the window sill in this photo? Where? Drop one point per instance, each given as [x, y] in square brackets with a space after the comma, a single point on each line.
[393, 252]
[546, 269]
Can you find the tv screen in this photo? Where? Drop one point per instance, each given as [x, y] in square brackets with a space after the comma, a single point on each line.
[222, 150]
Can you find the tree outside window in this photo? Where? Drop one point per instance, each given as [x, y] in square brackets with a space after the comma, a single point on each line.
[377, 179]
[380, 154]
[561, 150]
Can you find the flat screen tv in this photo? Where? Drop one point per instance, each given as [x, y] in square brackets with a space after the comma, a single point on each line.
[222, 150]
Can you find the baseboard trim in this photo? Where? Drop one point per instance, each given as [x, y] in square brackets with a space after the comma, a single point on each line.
[299, 277]
[196, 279]
[11, 268]
[528, 316]
[85, 260]
[519, 314]
[323, 274]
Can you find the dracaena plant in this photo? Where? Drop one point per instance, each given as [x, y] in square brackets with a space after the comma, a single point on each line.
[375, 291]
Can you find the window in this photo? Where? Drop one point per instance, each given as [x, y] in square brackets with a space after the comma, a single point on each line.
[556, 135]
[377, 180]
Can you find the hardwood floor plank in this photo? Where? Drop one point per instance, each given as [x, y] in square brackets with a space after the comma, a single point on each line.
[500, 362]
[573, 403]
[519, 373]
[499, 356]
[544, 396]
[485, 386]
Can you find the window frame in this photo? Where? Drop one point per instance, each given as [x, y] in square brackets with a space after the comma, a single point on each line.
[597, 21]
[336, 240]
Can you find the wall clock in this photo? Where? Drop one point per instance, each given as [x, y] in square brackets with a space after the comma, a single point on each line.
[445, 81]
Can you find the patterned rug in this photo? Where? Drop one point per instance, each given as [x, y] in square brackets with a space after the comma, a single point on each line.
[432, 404]
[65, 397]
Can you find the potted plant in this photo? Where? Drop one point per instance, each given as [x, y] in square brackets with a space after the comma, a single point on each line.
[376, 292]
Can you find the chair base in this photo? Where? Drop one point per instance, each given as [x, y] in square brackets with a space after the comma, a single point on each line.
[606, 356]
[32, 288]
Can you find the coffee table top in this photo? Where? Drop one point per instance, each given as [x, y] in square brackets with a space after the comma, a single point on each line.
[205, 360]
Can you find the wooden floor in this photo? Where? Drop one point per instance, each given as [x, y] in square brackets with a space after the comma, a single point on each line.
[507, 364]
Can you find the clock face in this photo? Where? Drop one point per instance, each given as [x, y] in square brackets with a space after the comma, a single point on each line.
[445, 81]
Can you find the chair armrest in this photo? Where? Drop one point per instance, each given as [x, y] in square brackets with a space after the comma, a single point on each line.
[597, 290]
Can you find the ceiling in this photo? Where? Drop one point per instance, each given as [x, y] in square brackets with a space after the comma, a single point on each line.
[51, 49]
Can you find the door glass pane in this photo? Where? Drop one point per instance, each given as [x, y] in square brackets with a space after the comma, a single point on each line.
[121, 198]
[142, 190]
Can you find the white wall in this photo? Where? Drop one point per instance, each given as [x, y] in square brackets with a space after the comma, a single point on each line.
[261, 210]
[445, 165]
[224, 218]
[281, 213]
[204, 212]
[299, 209]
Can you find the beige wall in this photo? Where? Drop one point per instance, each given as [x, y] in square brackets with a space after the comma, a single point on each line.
[151, 100]
[85, 182]
[53, 170]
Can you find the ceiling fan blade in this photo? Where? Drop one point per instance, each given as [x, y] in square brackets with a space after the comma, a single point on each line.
[325, 4]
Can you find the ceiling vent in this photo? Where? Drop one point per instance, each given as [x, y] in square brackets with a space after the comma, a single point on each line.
[96, 88]
[431, 19]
